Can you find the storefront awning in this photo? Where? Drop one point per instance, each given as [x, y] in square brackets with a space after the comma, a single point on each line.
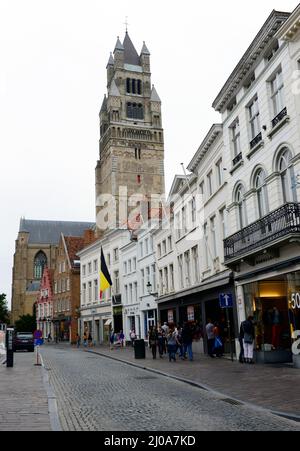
[108, 322]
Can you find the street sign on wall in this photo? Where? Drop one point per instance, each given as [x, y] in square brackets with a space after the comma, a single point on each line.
[226, 300]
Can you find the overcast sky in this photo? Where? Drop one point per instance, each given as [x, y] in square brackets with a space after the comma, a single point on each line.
[53, 57]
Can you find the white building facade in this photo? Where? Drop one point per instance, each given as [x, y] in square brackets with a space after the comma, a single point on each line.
[260, 109]
[100, 317]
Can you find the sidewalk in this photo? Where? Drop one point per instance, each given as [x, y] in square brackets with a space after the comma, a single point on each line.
[273, 387]
[23, 398]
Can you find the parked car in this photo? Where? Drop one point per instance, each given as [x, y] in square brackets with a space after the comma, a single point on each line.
[23, 341]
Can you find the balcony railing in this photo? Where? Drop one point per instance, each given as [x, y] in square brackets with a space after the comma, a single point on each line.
[279, 117]
[256, 141]
[237, 159]
[279, 224]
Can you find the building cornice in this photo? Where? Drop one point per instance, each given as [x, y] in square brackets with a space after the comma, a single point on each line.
[291, 28]
[215, 131]
[250, 59]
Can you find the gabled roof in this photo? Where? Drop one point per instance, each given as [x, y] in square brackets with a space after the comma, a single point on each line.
[114, 90]
[73, 246]
[130, 54]
[49, 232]
[154, 96]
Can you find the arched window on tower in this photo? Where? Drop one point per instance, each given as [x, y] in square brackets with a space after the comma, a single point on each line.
[139, 86]
[40, 262]
[133, 81]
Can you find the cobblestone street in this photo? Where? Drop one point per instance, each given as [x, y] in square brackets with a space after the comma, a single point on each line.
[95, 393]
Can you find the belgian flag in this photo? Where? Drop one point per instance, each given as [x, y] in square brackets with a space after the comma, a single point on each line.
[105, 279]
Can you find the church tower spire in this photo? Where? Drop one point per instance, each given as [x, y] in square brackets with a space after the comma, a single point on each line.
[131, 134]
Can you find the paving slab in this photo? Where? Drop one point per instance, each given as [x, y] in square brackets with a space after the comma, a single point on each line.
[23, 397]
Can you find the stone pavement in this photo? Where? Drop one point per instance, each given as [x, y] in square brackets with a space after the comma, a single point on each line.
[273, 387]
[23, 398]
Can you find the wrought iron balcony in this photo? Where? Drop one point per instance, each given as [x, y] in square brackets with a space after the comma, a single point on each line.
[237, 159]
[256, 141]
[279, 117]
[269, 232]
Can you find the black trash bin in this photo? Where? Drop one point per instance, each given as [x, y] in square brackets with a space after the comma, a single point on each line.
[139, 349]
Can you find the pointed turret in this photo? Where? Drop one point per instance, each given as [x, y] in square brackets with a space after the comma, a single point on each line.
[110, 69]
[154, 96]
[104, 105]
[119, 54]
[145, 50]
[145, 58]
[111, 61]
[114, 91]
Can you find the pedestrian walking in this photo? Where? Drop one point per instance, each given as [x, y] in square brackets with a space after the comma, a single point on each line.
[122, 339]
[161, 342]
[49, 338]
[172, 344]
[112, 339]
[187, 340]
[166, 329]
[180, 346]
[90, 340]
[132, 337]
[78, 341]
[85, 340]
[248, 334]
[153, 340]
[210, 338]
[241, 341]
[218, 344]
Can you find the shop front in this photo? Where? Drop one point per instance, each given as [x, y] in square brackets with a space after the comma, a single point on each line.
[198, 307]
[275, 305]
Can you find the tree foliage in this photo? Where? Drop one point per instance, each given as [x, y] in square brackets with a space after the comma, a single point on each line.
[26, 323]
[4, 315]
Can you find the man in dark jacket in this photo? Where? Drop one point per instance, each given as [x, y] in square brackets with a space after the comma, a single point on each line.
[247, 334]
[187, 340]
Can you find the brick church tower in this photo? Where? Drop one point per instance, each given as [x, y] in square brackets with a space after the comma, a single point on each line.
[131, 134]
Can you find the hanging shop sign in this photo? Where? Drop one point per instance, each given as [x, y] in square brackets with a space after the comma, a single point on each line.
[170, 316]
[191, 313]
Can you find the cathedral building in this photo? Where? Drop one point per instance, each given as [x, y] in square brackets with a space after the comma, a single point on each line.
[36, 249]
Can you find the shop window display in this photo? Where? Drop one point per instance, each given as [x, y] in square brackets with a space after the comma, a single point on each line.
[276, 312]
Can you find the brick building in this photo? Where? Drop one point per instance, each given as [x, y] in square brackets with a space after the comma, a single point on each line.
[67, 286]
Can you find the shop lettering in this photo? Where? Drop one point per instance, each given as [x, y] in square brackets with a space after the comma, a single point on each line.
[295, 304]
[296, 345]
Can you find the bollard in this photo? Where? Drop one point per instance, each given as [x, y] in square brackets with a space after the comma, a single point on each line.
[10, 348]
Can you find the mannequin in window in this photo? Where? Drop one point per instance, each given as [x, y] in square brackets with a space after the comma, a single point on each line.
[276, 327]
